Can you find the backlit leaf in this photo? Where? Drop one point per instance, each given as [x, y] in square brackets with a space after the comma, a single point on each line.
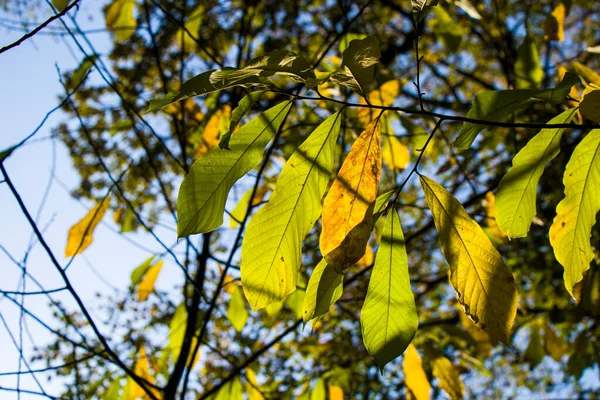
[238, 214]
[576, 213]
[484, 285]
[325, 287]
[535, 353]
[395, 154]
[348, 207]
[204, 190]
[139, 272]
[146, 286]
[211, 134]
[114, 390]
[272, 246]
[415, 378]
[81, 234]
[132, 390]
[590, 103]
[382, 96]
[515, 198]
[388, 317]
[252, 387]
[232, 390]
[236, 308]
[120, 20]
[244, 106]
[319, 392]
[498, 105]
[449, 31]
[191, 32]
[448, 376]
[588, 74]
[553, 344]
[335, 393]
[554, 26]
[528, 67]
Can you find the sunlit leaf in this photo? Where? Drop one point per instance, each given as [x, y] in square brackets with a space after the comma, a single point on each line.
[191, 33]
[388, 317]
[120, 20]
[528, 67]
[81, 234]
[244, 106]
[448, 376]
[498, 105]
[480, 338]
[468, 8]
[554, 26]
[252, 387]
[590, 103]
[82, 70]
[114, 390]
[484, 285]
[146, 286]
[348, 207]
[588, 74]
[139, 272]
[272, 246]
[239, 212]
[395, 154]
[515, 198]
[204, 190]
[415, 378]
[335, 393]
[325, 287]
[347, 38]
[232, 390]
[212, 131]
[133, 391]
[576, 213]
[421, 7]
[319, 392]
[358, 64]
[382, 96]
[236, 308]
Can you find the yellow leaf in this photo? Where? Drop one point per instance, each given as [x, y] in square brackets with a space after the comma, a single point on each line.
[490, 208]
[395, 154]
[348, 207]
[132, 390]
[252, 387]
[484, 285]
[449, 378]
[588, 74]
[383, 96]
[119, 19]
[482, 339]
[336, 393]
[368, 258]
[415, 378]
[212, 131]
[590, 103]
[146, 286]
[554, 26]
[81, 234]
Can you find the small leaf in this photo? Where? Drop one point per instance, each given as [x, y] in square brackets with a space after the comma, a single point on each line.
[319, 392]
[449, 378]
[555, 347]
[468, 8]
[132, 390]
[498, 105]
[528, 67]
[335, 393]
[415, 378]
[395, 154]
[139, 272]
[325, 287]
[576, 213]
[81, 71]
[120, 19]
[444, 26]
[60, 4]
[272, 246]
[236, 308]
[347, 38]
[588, 74]
[252, 387]
[421, 7]
[114, 390]
[147, 284]
[212, 131]
[382, 96]
[232, 390]
[191, 33]
[554, 26]
[348, 207]
[590, 103]
[535, 353]
[4, 154]
[388, 317]
[358, 64]
[204, 190]
[515, 199]
[484, 285]
[81, 234]
[244, 106]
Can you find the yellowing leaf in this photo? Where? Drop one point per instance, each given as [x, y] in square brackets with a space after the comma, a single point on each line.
[236, 309]
[319, 391]
[120, 20]
[554, 26]
[590, 103]
[576, 213]
[252, 387]
[177, 328]
[325, 287]
[212, 131]
[449, 378]
[335, 393]
[388, 317]
[272, 246]
[588, 74]
[490, 211]
[147, 284]
[203, 193]
[515, 199]
[383, 96]
[81, 234]
[368, 258]
[415, 378]
[232, 390]
[484, 285]
[395, 154]
[348, 207]
[132, 390]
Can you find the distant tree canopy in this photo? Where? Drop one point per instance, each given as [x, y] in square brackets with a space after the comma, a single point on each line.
[417, 182]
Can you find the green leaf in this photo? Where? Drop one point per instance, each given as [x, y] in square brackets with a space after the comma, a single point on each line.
[528, 68]
[82, 70]
[515, 199]
[319, 392]
[358, 64]
[114, 390]
[204, 190]
[347, 38]
[484, 285]
[295, 301]
[421, 7]
[576, 213]
[60, 4]
[120, 20]
[498, 105]
[325, 287]
[192, 25]
[138, 272]
[244, 106]
[232, 390]
[388, 317]
[272, 246]
[236, 309]
[588, 74]
[120, 126]
[449, 32]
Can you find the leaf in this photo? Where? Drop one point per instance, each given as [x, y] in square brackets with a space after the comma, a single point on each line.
[139, 272]
[348, 207]
[588, 74]
[335, 393]
[480, 338]
[252, 387]
[449, 378]
[120, 20]
[177, 328]
[515, 198]
[388, 317]
[236, 308]
[319, 392]
[382, 96]
[232, 390]
[81, 234]
[204, 190]
[415, 378]
[449, 32]
[244, 106]
[395, 154]
[212, 131]
[498, 105]
[114, 390]
[132, 390]
[590, 103]
[528, 68]
[325, 287]
[554, 346]
[468, 8]
[358, 64]
[535, 353]
[239, 212]
[593, 49]
[295, 301]
[554, 26]
[120, 126]
[60, 4]
[492, 230]
[272, 246]
[484, 285]
[192, 29]
[347, 38]
[576, 213]
[421, 7]
[147, 284]
[82, 70]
